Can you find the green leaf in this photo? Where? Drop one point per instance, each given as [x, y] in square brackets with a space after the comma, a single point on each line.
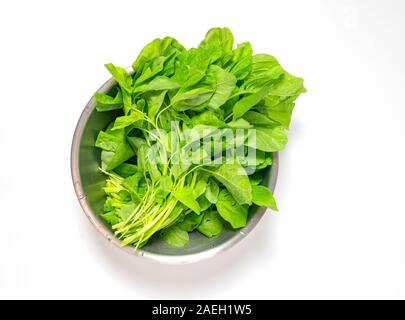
[265, 71]
[203, 203]
[120, 75]
[157, 58]
[199, 188]
[185, 196]
[256, 179]
[194, 65]
[127, 100]
[207, 118]
[115, 148]
[225, 84]
[221, 38]
[279, 110]
[125, 121]
[175, 237]
[211, 224]
[252, 157]
[258, 119]
[267, 161]
[158, 84]
[127, 210]
[241, 63]
[190, 222]
[126, 170]
[266, 139]
[262, 196]
[249, 101]
[105, 102]
[231, 211]
[132, 182]
[137, 142]
[155, 101]
[288, 86]
[110, 218]
[235, 179]
[191, 98]
[212, 191]
[239, 124]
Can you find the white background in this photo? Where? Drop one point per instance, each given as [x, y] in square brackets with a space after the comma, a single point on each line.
[340, 232]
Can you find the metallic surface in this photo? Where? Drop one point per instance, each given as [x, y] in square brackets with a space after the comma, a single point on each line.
[88, 183]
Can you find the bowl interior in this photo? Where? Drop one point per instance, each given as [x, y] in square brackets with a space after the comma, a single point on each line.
[89, 181]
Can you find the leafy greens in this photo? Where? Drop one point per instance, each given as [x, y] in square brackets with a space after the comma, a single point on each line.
[192, 137]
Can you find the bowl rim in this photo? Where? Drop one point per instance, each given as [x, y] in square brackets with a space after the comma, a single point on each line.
[103, 229]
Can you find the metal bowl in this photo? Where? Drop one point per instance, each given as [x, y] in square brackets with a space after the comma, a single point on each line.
[88, 183]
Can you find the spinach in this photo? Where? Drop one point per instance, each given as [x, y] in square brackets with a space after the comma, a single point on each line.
[235, 179]
[192, 135]
[115, 149]
[190, 222]
[231, 211]
[106, 102]
[175, 236]
[262, 196]
[211, 224]
[212, 191]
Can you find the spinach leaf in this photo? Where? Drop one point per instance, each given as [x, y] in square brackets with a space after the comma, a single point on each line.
[235, 179]
[175, 236]
[158, 84]
[126, 169]
[110, 217]
[125, 121]
[121, 76]
[185, 196]
[115, 149]
[265, 71]
[203, 203]
[157, 58]
[248, 102]
[212, 191]
[279, 110]
[211, 224]
[221, 39]
[231, 211]
[267, 139]
[258, 119]
[190, 222]
[262, 196]
[241, 63]
[207, 118]
[225, 84]
[106, 102]
[199, 188]
[239, 124]
[256, 179]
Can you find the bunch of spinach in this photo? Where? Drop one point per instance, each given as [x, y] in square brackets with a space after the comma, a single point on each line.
[169, 93]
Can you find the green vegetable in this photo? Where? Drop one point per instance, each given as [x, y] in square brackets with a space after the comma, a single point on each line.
[175, 236]
[231, 211]
[212, 191]
[211, 224]
[235, 179]
[190, 222]
[185, 195]
[106, 102]
[192, 137]
[262, 196]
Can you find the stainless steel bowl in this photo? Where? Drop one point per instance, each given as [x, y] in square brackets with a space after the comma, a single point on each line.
[88, 183]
